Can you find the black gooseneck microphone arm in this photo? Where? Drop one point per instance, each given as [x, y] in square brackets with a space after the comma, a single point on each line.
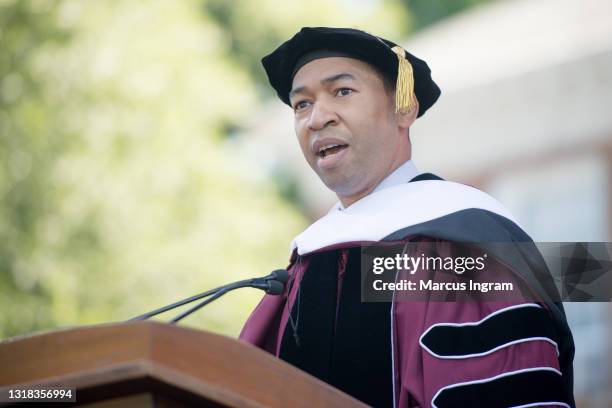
[272, 284]
[274, 287]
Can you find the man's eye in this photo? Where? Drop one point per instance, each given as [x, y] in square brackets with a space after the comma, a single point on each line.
[300, 105]
[344, 91]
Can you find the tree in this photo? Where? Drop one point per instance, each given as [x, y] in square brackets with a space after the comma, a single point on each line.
[119, 195]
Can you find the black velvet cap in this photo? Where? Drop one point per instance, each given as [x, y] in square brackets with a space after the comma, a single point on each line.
[282, 64]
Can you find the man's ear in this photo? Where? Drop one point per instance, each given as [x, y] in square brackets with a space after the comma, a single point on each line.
[405, 120]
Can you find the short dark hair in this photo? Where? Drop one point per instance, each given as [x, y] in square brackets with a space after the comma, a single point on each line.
[387, 82]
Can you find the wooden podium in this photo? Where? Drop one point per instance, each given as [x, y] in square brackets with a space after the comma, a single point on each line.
[148, 364]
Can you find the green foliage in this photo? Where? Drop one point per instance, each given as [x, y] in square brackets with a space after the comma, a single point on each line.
[427, 12]
[28, 147]
[117, 194]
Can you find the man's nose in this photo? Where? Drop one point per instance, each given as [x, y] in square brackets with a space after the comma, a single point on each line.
[321, 116]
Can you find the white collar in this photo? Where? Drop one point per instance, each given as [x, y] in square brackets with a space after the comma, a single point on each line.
[402, 174]
[378, 215]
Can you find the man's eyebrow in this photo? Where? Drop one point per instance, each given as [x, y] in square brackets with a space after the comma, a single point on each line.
[337, 77]
[333, 78]
[296, 91]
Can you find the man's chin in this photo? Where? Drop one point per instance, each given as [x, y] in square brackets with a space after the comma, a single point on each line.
[338, 185]
[343, 187]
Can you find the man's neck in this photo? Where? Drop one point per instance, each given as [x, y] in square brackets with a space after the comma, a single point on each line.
[402, 174]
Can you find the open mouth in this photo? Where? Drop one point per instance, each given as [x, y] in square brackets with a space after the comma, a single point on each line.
[331, 149]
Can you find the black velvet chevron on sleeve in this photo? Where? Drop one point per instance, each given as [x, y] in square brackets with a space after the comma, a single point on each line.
[510, 326]
[535, 387]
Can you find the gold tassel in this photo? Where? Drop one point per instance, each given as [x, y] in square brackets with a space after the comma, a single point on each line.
[404, 88]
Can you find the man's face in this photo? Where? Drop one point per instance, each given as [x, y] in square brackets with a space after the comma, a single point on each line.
[346, 125]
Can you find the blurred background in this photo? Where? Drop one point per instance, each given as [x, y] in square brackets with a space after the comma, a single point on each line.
[144, 158]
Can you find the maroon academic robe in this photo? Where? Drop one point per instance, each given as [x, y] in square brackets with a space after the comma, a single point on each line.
[445, 352]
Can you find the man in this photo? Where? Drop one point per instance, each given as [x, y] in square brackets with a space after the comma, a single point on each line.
[354, 97]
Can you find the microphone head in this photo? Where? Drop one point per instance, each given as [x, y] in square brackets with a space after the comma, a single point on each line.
[281, 275]
[275, 287]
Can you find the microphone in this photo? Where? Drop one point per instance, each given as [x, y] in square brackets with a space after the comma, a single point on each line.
[280, 275]
[276, 287]
[272, 284]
